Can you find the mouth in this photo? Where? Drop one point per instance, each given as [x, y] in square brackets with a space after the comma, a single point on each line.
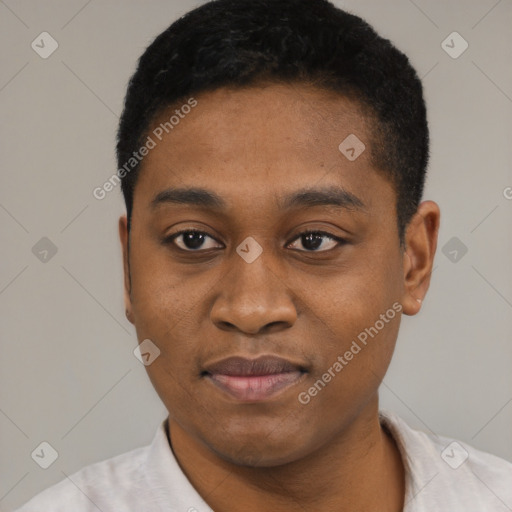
[253, 380]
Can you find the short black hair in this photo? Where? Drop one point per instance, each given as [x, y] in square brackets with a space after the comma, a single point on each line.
[238, 43]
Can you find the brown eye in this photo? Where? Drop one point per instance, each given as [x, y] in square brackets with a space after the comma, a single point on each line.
[192, 240]
[312, 241]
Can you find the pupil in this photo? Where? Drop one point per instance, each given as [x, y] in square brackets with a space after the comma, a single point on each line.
[308, 242]
[193, 240]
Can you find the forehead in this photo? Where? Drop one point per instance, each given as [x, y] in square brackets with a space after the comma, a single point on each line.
[260, 142]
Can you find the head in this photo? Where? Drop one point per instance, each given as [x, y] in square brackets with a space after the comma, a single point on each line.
[275, 210]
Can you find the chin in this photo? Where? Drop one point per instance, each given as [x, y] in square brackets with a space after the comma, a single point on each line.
[258, 449]
[254, 456]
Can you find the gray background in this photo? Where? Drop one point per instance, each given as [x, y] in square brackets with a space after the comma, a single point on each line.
[67, 372]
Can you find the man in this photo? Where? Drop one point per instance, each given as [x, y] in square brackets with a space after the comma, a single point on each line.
[273, 157]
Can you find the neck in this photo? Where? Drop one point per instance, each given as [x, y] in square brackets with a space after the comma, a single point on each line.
[359, 469]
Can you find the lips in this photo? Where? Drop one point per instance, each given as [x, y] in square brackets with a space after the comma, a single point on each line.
[253, 379]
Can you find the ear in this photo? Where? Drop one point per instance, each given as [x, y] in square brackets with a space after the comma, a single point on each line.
[124, 235]
[418, 258]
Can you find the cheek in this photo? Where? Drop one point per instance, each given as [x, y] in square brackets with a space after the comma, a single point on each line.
[358, 315]
[165, 297]
[351, 374]
[353, 299]
[167, 310]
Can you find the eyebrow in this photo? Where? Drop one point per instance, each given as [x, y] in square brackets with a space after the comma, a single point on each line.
[333, 196]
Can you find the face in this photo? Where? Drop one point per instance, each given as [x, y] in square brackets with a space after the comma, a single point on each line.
[256, 285]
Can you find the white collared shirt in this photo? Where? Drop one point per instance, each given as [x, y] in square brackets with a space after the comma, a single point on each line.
[441, 475]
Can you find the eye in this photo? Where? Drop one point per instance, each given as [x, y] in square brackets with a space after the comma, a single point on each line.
[313, 240]
[191, 240]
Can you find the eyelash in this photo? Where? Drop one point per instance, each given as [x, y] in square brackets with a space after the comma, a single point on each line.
[170, 239]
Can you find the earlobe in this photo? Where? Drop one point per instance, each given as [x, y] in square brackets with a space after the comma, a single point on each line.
[123, 236]
[421, 243]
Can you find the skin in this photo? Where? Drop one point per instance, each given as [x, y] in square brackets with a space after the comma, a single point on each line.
[305, 303]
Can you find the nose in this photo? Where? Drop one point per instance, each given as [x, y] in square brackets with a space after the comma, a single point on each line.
[253, 298]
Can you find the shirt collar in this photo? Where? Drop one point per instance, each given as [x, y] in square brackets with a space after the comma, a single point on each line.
[169, 489]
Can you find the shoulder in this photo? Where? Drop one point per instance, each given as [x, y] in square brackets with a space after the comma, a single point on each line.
[107, 485]
[441, 470]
